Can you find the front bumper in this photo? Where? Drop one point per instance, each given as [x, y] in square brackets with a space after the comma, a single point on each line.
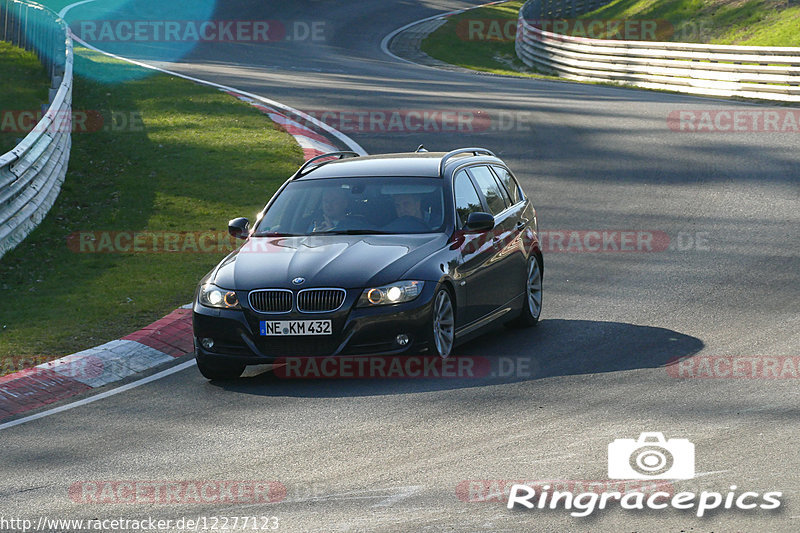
[356, 331]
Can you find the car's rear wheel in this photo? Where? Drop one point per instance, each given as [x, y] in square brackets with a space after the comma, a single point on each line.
[443, 323]
[532, 307]
[215, 370]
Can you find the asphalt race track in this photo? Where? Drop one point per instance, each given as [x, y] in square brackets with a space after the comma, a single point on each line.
[394, 454]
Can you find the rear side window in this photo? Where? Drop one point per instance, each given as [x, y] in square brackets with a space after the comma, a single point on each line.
[510, 184]
[490, 189]
[467, 199]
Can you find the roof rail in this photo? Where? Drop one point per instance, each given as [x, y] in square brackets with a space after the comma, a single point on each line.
[340, 155]
[474, 151]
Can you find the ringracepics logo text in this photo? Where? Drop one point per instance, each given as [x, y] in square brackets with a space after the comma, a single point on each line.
[650, 457]
[586, 503]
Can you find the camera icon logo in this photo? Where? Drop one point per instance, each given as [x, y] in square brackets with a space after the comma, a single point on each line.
[651, 457]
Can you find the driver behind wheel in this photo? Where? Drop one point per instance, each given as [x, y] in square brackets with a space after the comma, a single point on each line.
[409, 205]
[335, 203]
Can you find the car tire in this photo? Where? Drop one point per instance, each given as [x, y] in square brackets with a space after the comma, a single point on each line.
[214, 371]
[442, 324]
[532, 305]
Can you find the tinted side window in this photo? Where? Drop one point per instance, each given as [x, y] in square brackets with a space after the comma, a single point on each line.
[490, 189]
[503, 191]
[467, 200]
[510, 183]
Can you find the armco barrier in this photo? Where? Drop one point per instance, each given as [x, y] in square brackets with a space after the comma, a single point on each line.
[769, 73]
[32, 173]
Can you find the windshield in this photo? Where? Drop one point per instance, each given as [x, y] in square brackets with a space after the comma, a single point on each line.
[356, 206]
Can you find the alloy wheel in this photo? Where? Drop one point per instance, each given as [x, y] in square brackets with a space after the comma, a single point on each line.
[443, 323]
[534, 286]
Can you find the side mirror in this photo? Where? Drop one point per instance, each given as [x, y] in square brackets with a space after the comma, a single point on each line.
[479, 222]
[239, 227]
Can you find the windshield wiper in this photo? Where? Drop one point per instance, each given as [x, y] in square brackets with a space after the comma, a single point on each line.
[278, 234]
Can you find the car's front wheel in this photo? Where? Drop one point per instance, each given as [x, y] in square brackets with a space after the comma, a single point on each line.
[213, 370]
[443, 323]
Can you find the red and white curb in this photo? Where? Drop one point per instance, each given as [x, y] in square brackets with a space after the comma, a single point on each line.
[312, 143]
[161, 342]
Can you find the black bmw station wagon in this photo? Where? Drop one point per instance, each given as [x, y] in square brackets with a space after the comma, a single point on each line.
[373, 255]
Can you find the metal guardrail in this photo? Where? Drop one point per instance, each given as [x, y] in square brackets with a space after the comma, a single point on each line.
[768, 73]
[32, 173]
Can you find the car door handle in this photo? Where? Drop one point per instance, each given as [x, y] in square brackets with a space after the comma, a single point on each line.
[522, 223]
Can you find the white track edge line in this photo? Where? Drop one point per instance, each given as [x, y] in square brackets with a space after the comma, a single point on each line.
[386, 40]
[339, 135]
[101, 396]
[351, 144]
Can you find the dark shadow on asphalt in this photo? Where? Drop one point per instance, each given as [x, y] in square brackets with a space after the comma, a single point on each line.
[555, 348]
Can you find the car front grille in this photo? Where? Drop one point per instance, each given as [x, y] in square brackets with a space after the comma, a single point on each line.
[320, 300]
[271, 300]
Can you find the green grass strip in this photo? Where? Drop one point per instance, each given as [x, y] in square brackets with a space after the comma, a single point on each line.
[23, 87]
[479, 39]
[176, 157]
[749, 22]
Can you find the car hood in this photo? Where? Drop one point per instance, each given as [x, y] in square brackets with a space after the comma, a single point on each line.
[347, 261]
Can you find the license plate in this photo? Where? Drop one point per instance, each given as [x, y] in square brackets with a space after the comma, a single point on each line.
[275, 328]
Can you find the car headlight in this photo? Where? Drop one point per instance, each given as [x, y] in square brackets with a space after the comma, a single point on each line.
[402, 291]
[213, 296]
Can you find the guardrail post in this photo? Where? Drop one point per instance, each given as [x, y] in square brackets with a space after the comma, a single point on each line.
[54, 88]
